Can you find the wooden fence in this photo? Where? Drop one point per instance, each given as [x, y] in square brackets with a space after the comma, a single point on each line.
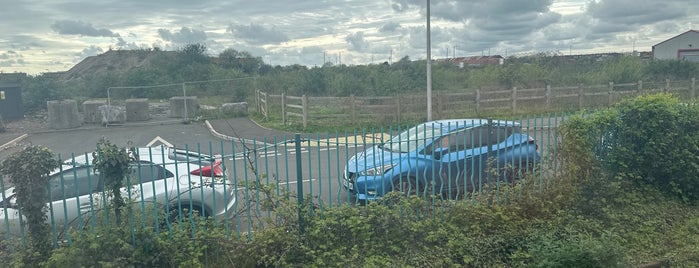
[465, 103]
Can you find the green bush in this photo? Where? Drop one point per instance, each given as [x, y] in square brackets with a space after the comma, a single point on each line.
[197, 243]
[28, 170]
[652, 139]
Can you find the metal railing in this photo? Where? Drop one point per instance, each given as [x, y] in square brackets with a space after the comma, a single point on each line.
[325, 167]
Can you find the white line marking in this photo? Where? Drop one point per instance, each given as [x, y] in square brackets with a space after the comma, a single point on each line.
[159, 139]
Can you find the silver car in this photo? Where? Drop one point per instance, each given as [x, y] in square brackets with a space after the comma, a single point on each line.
[175, 180]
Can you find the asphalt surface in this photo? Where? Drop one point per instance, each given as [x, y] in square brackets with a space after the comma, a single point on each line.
[150, 133]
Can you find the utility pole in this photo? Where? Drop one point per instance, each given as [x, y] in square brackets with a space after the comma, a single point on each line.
[429, 66]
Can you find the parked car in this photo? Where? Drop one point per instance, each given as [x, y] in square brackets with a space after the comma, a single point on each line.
[442, 157]
[175, 180]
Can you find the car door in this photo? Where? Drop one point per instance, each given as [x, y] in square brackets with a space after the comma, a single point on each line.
[461, 156]
[510, 152]
[73, 195]
[146, 184]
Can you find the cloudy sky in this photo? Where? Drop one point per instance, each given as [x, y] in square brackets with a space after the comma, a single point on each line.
[40, 36]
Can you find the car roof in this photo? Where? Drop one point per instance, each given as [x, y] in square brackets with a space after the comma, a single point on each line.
[143, 152]
[448, 125]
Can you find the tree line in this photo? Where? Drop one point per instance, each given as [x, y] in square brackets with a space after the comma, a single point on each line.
[191, 63]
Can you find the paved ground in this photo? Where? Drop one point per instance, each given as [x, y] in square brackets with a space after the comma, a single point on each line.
[153, 132]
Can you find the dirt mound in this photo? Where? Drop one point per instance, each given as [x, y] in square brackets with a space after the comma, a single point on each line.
[113, 61]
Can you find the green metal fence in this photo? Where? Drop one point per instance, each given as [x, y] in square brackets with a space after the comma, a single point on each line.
[167, 187]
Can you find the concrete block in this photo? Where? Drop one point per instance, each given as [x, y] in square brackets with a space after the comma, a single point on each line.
[237, 108]
[137, 110]
[178, 107]
[91, 112]
[112, 114]
[63, 114]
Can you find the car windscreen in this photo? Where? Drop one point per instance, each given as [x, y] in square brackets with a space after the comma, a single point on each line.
[413, 138]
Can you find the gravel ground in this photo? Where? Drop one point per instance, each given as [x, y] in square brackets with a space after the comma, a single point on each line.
[28, 124]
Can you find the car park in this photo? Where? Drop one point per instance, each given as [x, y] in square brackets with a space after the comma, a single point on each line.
[172, 180]
[447, 157]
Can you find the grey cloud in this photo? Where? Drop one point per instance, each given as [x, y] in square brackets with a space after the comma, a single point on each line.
[312, 50]
[404, 5]
[72, 27]
[89, 51]
[7, 63]
[125, 45]
[357, 42]
[185, 35]
[313, 55]
[635, 12]
[11, 58]
[389, 27]
[258, 34]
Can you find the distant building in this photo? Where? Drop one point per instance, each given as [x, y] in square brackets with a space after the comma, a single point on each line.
[476, 61]
[681, 47]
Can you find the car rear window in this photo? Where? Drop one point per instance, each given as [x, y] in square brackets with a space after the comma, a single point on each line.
[146, 171]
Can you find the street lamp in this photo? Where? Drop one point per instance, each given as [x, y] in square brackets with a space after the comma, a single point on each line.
[429, 66]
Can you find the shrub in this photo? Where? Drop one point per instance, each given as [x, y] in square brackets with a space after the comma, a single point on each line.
[652, 139]
[28, 171]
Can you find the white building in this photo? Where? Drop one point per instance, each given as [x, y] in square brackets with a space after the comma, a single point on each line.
[682, 47]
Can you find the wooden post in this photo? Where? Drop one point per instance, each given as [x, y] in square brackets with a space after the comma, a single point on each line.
[283, 109]
[266, 106]
[640, 87]
[514, 99]
[548, 97]
[353, 109]
[304, 104]
[610, 94]
[439, 104]
[398, 110]
[693, 89]
[667, 85]
[478, 101]
[257, 100]
[581, 96]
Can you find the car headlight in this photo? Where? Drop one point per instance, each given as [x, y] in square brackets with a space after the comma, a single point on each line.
[377, 171]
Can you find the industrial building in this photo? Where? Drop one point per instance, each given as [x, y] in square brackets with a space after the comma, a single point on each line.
[681, 47]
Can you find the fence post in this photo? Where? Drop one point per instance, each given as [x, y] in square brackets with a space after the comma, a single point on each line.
[299, 180]
[514, 99]
[610, 94]
[283, 108]
[353, 109]
[438, 109]
[640, 87]
[257, 100]
[398, 110]
[581, 95]
[548, 97]
[667, 85]
[266, 106]
[304, 103]
[693, 89]
[478, 101]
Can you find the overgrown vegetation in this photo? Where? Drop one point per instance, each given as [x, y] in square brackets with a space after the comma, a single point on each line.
[113, 163]
[28, 171]
[238, 74]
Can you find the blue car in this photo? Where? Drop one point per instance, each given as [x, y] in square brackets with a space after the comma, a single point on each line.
[444, 157]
